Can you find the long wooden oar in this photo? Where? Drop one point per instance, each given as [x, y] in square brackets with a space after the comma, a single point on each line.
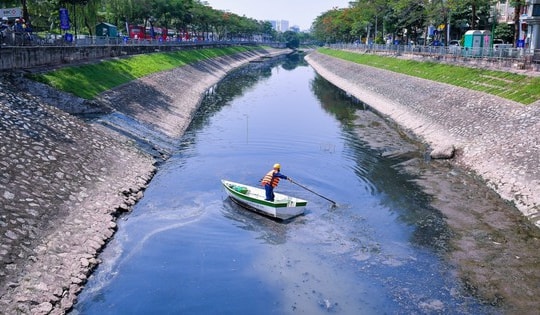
[332, 201]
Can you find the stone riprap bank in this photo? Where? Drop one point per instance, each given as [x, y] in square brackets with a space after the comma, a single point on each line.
[63, 181]
[496, 138]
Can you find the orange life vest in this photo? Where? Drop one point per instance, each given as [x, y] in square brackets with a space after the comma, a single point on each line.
[270, 179]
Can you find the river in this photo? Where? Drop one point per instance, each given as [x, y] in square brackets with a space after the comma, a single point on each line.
[187, 249]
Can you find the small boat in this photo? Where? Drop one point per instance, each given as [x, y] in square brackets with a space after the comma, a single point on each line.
[283, 207]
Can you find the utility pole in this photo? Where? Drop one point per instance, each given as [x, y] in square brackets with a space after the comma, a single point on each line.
[25, 15]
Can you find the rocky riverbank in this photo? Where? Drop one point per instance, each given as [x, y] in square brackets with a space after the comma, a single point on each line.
[62, 185]
[494, 246]
[496, 138]
[64, 181]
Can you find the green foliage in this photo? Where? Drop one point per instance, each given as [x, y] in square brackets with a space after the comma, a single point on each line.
[512, 86]
[192, 16]
[335, 26]
[88, 81]
[404, 20]
[505, 32]
[411, 15]
[292, 39]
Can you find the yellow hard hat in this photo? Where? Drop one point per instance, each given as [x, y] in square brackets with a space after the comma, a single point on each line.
[277, 166]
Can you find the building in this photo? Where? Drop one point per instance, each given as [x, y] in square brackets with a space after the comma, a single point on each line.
[280, 25]
[505, 12]
[295, 28]
[532, 18]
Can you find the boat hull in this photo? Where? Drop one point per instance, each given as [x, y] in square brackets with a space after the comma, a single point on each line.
[283, 207]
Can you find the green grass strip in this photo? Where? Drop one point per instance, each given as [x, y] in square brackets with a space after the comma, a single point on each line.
[512, 86]
[88, 81]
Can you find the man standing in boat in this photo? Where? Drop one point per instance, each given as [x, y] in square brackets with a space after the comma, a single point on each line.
[271, 180]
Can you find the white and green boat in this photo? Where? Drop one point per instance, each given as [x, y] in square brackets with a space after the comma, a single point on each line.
[283, 207]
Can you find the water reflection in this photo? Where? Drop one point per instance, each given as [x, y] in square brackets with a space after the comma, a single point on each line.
[397, 192]
[269, 230]
[336, 101]
[232, 86]
[186, 248]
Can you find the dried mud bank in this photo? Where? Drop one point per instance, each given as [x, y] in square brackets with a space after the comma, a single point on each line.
[64, 181]
[488, 241]
[493, 137]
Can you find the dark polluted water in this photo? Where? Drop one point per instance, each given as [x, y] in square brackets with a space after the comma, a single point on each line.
[187, 249]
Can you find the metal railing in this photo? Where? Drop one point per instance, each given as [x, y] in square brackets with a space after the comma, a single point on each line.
[47, 52]
[519, 58]
[11, 38]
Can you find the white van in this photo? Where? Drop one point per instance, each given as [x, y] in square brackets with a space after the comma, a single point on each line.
[498, 44]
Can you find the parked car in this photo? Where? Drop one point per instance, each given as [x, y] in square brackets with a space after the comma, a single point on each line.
[499, 44]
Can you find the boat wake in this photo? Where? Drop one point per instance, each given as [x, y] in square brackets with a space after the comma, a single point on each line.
[130, 241]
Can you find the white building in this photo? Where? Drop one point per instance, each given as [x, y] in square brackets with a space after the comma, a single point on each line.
[280, 25]
[532, 18]
[505, 12]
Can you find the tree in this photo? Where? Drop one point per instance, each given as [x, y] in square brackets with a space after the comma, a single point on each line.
[517, 4]
[291, 39]
[411, 16]
[504, 32]
[79, 15]
[327, 27]
[266, 30]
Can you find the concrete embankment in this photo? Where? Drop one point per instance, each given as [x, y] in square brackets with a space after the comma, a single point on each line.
[492, 137]
[64, 181]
